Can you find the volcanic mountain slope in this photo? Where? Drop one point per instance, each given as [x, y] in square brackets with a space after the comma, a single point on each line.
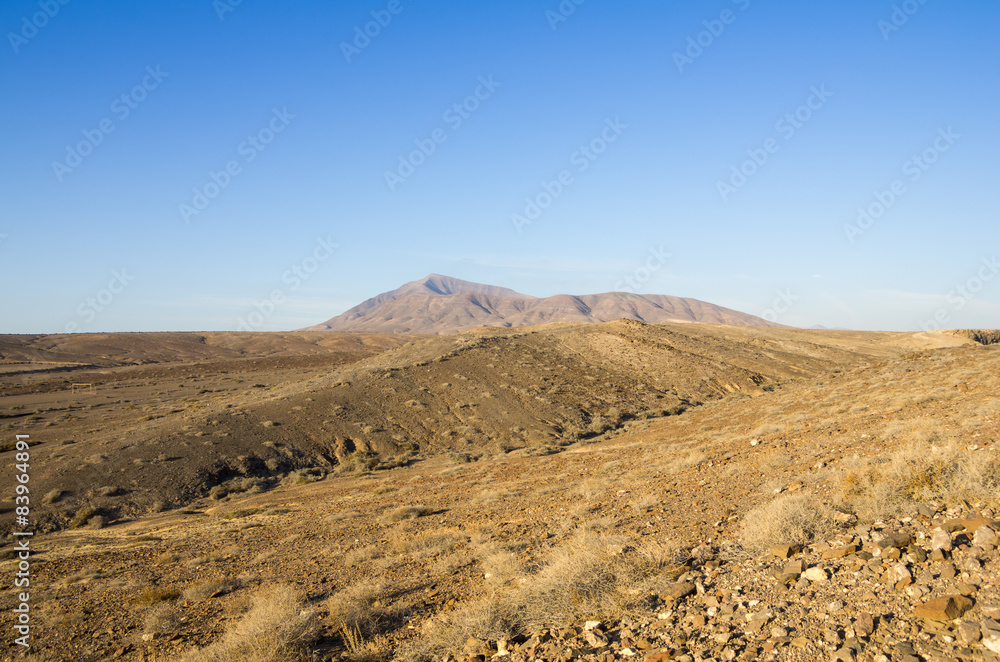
[441, 305]
[158, 435]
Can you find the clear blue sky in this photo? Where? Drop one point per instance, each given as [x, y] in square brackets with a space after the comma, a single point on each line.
[116, 113]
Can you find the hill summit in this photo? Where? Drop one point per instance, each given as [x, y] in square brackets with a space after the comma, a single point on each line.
[440, 304]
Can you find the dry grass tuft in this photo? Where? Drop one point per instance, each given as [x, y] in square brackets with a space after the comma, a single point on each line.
[155, 594]
[406, 512]
[242, 512]
[82, 516]
[211, 588]
[162, 619]
[588, 578]
[788, 519]
[53, 496]
[881, 488]
[426, 543]
[359, 611]
[344, 514]
[83, 575]
[682, 462]
[276, 629]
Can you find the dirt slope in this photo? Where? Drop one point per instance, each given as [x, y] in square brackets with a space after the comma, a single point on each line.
[157, 435]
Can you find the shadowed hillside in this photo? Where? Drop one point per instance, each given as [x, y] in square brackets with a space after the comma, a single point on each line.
[201, 419]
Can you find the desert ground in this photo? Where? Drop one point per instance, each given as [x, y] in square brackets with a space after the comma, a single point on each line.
[615, 491]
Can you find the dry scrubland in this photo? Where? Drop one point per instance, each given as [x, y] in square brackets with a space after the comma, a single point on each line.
[703, 492]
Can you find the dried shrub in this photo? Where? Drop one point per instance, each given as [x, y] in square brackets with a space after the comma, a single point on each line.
[788, 519]
[276, 629]
[155, 594]
[359, 608]
[406, 512]
[53, 496]
[882, 488]
[588, 578]
[211, 588]
[162, 619]
[82, 516]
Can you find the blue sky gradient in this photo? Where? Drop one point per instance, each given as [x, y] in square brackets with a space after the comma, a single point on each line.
[114, 241]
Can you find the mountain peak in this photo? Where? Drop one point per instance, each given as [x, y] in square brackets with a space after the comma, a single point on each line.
[439, 304]
[436, 284]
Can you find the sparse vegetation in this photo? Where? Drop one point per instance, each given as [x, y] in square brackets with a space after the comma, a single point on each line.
[586, 579]
[406, 512]
[426, 543]
[303, 476]
[211, 588]
[82, 516]
[880, 488]
[162, 619]
[358, 609]
[242, 512]
[276, 629]
[154, 595]
[53, 496]
[789, 519]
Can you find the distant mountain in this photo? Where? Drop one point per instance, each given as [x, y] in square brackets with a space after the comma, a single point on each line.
[439, 304]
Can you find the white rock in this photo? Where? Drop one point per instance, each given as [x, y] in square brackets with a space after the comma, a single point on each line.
[816, 574]
[899, 572]
[985, 536]
[941, 540]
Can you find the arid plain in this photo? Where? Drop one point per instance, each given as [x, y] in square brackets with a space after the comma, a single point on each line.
[566, 491]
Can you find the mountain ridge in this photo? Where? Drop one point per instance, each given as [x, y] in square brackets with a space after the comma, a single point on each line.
[439, 304]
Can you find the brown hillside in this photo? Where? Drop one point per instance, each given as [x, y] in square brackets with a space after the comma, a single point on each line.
[831, 448]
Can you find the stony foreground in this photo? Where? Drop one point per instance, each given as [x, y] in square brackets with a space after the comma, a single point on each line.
[920, 588]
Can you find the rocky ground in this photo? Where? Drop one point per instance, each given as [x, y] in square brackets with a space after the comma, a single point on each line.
[917, 588]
